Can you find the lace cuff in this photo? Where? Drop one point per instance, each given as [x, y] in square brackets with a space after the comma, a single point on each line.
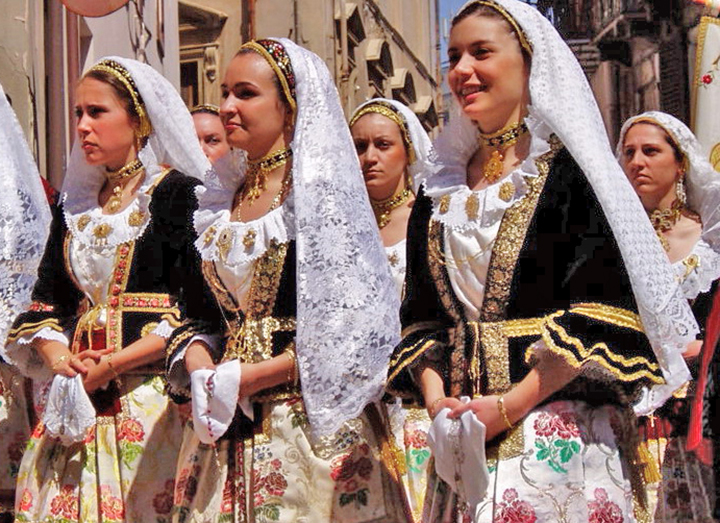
[177, 375]
[164, 330]
[22, 353]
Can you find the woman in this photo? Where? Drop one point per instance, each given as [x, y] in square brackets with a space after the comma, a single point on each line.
[395, 156]
[527, 288]
[679, 190]
[294, 261]
[24, 224]
[111, 288]
[210, 131]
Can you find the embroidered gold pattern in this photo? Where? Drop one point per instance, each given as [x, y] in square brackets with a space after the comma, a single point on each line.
[266, 279]
[224, 298]
[249, 239]
[608, 314]
[148, 328]
[83, 222]
[691, 263]
[31, 328]
[497, 358]
[444, 203]
[253, 341]
[209, 235]
[394, 259]
[102, 231]
[510, 239]
[472, 206]
[224, 242]
[511, 445]
[506, 191]
[178, 340]
[136, 218]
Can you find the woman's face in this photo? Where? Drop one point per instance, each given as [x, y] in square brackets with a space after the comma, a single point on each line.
[254, 115]
[105, 128]
[383, 158]
[649, 161]
[211, 135]
[488, 74]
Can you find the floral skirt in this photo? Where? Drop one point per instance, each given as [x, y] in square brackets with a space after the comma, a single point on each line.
[14, 432]
[123, 471]
[410, 427]
[283, 474]
[565, 467]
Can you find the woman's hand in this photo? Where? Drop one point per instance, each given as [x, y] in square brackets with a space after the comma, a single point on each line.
[487, 411]
[68, 365]
[440, 403]
[248, 380]
[99, 374]
[197, 357]
[692, 350]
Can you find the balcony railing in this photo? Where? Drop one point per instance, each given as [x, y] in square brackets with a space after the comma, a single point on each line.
[605, 12]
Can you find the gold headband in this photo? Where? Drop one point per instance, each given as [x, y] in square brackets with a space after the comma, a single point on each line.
[522, 37]
[676, 143]
[206, 108]
[118, 71]
[391, 113]
[280, 64]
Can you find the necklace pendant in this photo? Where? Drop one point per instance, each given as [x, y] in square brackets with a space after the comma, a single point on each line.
[136, 218]
[494, 167]
[224, 242]
[209, 235]
[383, 219]
[472, 206]
[83, 222]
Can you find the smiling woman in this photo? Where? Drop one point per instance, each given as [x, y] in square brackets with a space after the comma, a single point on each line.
[527, 289]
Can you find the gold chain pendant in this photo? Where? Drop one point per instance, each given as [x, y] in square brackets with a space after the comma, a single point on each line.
[383, 208]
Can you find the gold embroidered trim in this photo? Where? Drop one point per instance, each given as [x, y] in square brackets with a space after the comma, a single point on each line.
[173, 318]
[438, 270]
[266, 280]
[222, 295]
[424, 346]
[179, 340]
[608, 314]
[510, 239]
[253, 341]
[511, 445]
[31, 328]
[592, 353]
[148, 328]
[421, 326]
[497, 358]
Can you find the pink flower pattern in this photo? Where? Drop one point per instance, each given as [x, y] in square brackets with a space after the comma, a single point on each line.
[513, 510]
[602, 510]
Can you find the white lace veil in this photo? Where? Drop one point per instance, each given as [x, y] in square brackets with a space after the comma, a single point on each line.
[425, 158]
[561, 98]
[24, 218]
[173, 141]
[701, 181]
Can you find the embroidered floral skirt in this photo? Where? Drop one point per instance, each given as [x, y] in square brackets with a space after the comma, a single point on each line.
[123, 471]
[14, 432]
[283, 475]
[568, 470]
[410, 427]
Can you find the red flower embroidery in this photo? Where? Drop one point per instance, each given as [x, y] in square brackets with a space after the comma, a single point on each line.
[707, 79]
[25, 500]
[38, 431]
[513, 510]
[226, 506]
[65, 504]
[562, 424]
[275, 484]
[417, 439]
[163, 502]
[131, 430]
[90, 436]
[602, 510]
[111, 507]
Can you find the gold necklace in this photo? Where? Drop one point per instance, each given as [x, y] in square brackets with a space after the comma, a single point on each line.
[500, 141]
[258, 170]
[117, 178]
[383, 208]
[665, 219]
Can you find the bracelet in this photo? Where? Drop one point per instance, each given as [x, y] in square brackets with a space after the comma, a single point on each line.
[111, 366]
[292, 375]
[62, 359]
[431, 410]
[503, 411]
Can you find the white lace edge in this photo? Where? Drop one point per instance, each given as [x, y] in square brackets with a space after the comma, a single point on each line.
[701, 278]
[22, 354]
[177, 375]
[163, 329]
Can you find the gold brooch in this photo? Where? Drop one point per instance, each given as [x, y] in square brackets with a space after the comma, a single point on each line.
[472, 206]
[507, 191]
[394, 259]
[444, 203]
[136, 218]
[249, 238]
[102, 231]
[210, 235]
[224, 242]
[83, 221]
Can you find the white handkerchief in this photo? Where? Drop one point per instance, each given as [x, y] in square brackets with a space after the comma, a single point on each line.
[215, 398]
[69, 413]
[458, 446]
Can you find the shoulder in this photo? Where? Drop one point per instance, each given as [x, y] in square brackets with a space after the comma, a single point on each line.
[175, 182]
[175, 195]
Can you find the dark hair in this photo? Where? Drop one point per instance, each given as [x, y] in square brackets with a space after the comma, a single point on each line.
[482, 10]
[276, 80]
[680, 156]
[119, 88]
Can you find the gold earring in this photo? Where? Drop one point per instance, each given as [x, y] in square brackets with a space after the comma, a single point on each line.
[680, 192]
